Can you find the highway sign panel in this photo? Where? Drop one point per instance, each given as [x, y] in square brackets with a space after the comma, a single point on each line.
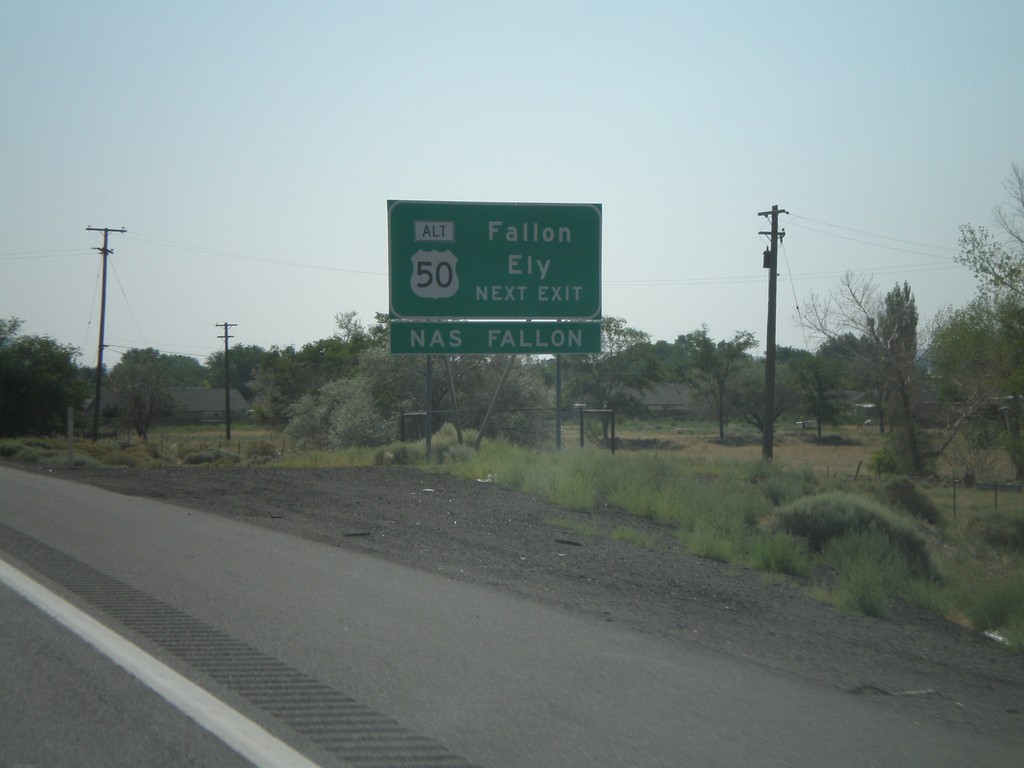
[494, 260]
[490, 337]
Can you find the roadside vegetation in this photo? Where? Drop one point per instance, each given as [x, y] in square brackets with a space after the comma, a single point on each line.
[865, 545]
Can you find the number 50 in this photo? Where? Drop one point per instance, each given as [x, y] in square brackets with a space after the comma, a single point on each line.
[431, 273]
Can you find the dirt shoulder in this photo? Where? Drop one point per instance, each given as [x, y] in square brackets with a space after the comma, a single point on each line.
[481, 533]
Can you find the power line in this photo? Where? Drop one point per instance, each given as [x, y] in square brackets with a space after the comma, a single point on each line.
[738, 280]
[165, 283]
[33, 255]
[870, 234]
[792, 287]
[883, 246]
[250, 258]
[128, 305]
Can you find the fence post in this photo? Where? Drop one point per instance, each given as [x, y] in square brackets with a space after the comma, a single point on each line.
[71, 436]
[430, 399]
[558, 402]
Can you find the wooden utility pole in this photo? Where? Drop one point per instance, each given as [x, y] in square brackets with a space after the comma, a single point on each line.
[771, 263]
[103, 317]
[227, 378]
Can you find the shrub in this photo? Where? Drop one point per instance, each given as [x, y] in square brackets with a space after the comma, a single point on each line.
[455, 454]
[780, 553]
[339, 414]
[9, 450]
[871, 569]
[903, 493]
[825, 517]
[121, 459]
[211, 457]
[260, 449]
[710, 542]
[397, 454]
[996, 605]
[779, 485]
[1001, 530]
[886, 461]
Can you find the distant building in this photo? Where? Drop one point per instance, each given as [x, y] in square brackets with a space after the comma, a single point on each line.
[668, 397]
[196, 405]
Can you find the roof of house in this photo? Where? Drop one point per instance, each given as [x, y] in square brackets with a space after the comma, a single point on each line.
[667, 394]
[206, 399]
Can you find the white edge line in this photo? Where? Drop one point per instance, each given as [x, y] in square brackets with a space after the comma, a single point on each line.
[237, 731]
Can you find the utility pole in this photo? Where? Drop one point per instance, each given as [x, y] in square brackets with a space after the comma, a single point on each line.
[771, 263]
[103, 316]
[227, 378]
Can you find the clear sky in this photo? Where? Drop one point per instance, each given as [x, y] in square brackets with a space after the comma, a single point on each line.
[250, 148]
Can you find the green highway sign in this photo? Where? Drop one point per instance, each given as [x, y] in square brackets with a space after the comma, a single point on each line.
[486, 337]
[521, 261]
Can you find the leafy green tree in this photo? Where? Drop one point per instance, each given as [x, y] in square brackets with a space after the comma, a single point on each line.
[744, 394]
[463, 387]
[285, 375]
[522, 402]
[818, 378]
[244, 361]
[364, 409]
[181, 371]
[612, 378]
[397, 382]
[138, 388]
[978, 355]
[39, 381]
[881, 334]
[340, 414]
[350, 327]
[9, 329]
[896, 337]
[380, 332]
[998, 263]
[712, 365]
[980, 349]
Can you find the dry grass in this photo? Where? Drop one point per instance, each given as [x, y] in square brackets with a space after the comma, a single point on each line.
[839, 452]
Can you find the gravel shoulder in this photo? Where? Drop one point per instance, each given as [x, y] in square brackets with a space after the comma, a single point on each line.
[482, 533]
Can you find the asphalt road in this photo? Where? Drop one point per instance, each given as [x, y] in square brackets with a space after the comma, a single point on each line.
[354, 661]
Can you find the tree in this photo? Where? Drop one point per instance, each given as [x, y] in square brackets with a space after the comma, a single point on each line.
[350, 328]
[612, 378]
[981, 354]
[9, 329]
[285, 375]
[999, 264]
[138, 388]
[818, 379]
[713, 365]
[978, 354]
[39, 381]
[244, 361]
[182, 371]
[880, 333]
[398, 383]
[340, 414]
[745, 393]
